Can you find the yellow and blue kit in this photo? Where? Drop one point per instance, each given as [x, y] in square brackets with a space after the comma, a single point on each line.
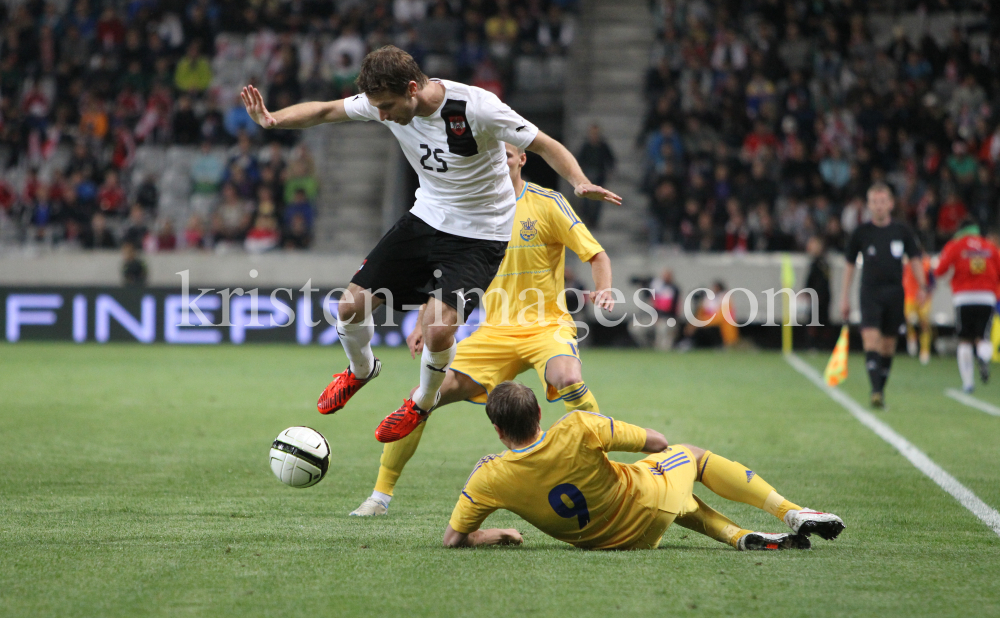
[565, 485]
[526, 322]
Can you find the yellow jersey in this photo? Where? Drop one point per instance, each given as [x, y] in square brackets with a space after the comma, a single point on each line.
[531, 281]
[565, 485]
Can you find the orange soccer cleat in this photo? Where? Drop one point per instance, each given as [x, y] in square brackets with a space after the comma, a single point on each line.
[403, 421]
[338, 392]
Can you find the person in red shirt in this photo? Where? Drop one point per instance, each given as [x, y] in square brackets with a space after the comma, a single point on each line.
[975, 263]
[950, 215]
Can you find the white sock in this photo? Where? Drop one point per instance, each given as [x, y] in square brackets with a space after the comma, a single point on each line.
[984, 350]
[966, 366]
[381, 497]
[356, 339]
[433, 369]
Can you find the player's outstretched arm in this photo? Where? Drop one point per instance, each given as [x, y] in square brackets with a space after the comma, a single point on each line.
[299, 116]
[566, 165]
[600, 269]
[491, 536]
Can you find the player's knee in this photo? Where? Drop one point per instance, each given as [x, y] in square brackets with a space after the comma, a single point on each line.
[561, 380]
[439, 337]
[698, 453]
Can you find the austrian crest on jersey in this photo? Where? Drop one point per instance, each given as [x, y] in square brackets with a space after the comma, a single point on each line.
[456, 126]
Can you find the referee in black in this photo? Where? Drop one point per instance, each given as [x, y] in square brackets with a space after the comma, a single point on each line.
[882, 242]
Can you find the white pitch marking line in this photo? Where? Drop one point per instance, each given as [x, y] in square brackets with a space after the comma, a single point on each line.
[972, 402]
[918, 458]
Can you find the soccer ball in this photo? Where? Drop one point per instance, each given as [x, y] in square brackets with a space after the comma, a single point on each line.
[300, 457]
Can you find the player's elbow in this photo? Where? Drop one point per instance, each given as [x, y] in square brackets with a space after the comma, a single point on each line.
[655, 442]
[453, 539]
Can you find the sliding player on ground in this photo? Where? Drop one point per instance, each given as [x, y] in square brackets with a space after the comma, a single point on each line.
[919, 331]
[519, 332]
[453, 239]
[976, 265]
[562, 482]
[882, 242]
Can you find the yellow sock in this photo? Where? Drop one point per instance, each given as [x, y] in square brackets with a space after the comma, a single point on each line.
[925, 341]
[394, 458]
[712, 523]
[734, 481]
[578, 397]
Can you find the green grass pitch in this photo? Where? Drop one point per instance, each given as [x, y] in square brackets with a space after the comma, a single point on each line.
[134, 481]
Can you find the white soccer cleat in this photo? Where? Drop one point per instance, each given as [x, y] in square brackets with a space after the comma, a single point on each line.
[808, 521]
[370, 508]
[764, 541]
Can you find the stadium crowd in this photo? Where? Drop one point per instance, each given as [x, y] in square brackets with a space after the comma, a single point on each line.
[96, 81]
[768, 119]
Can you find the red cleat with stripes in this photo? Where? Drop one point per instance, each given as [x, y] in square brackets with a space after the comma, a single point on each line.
[402, 422]
[338, 392]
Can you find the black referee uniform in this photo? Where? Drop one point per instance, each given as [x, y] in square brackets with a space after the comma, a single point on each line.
[882, 297]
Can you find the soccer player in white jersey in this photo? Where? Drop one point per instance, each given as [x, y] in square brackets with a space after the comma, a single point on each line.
[453, 239]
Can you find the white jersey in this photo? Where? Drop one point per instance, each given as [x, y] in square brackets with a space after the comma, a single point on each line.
[457, 152]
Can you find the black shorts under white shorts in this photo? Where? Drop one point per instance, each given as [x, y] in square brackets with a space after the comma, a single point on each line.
[973, 321]
[413, 260]
[882, 308]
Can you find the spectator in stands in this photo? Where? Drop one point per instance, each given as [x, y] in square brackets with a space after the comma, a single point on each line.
[597, 161]
[97, 235]
[147, 195]
[194, 233]
[263, 236]
[301, 175]
[166, 238]
[664, 212]
[298, 234]
[136, 228]
[231, 219]
[238, 122]
[207, 171]
[555, 31]
[300, 206]
[111, 197]
[185, 125]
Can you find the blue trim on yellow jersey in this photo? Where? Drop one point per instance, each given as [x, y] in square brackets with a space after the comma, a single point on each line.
[523, 189]
[679, 463]
[602, 416]
[521, 450]
[559, 200]
[473, 379]
[469, 497]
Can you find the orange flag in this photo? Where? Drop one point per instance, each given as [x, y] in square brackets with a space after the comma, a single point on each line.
[836, 369]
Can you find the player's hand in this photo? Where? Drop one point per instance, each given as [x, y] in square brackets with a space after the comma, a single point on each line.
[922, 296]
[255, 107]
[603, 299]
[599, 194]
[415, 341]
[845, 310]
[510, 536]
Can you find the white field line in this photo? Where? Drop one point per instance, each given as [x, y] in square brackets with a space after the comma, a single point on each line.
[918, 458]
[972, 402]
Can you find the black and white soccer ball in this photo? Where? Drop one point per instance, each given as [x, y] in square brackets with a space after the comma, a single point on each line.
[300, 457]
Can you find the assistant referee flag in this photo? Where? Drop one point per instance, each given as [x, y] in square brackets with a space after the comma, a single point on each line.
[836, 369]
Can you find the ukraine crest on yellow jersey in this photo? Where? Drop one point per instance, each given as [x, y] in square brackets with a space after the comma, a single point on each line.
[531, 279]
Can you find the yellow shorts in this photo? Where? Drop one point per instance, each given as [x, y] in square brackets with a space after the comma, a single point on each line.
[493, 355]
[677, 469]
[917, 313]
